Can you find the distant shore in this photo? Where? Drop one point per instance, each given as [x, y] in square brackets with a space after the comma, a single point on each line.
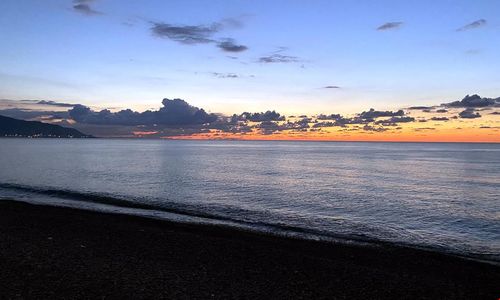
[49, 252]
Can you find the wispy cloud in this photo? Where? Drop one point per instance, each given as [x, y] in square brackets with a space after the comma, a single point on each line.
[279, 58]
[54, 103]
[389, 26]
[83, 7]
[331, 87]
[473, 25]
[225, 75]
[186, 34]
[473, 51]
[200, 34]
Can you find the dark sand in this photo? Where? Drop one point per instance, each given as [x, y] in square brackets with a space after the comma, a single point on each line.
[48, 252]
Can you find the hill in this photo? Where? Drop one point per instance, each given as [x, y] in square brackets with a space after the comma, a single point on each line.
[10, 127]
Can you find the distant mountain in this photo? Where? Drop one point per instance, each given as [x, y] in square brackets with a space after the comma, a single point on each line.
[10, 127]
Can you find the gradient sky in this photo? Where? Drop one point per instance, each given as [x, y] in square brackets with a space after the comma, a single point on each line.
[295, 57]
[49, 50]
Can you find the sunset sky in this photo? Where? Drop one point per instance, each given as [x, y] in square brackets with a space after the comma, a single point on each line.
[228, 57]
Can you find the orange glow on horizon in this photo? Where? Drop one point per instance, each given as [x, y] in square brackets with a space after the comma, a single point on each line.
[463, 135]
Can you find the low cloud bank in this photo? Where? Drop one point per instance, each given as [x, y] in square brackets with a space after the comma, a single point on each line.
[177, 117]
[174, 112]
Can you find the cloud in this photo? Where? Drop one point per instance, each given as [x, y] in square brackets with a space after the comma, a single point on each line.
[258, 117]
[421, 107]
[270, 127]
[473, 25]
[329, 117]
[424, 128]
[177, 117]
[186, 34]
[176, 112]
[225, 75]
[469, 113]
[83, 7]
[375, 129]
[331, 87]
[279, 58]
[53, 103]
[473, 101]
[324, 124]
[27, 114]
[200, 34]
[229, 45]
[373, 114]
[473, 51]
[393, 121]
[389, 26]
[440, 119]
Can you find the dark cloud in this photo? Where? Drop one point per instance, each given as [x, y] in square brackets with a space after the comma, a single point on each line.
[186, 34]
[441, 111]
[279, 58]
[258, 117]
[389, 26]
[472, 102]
[229, 45]
[440, 119]
[420, 107]
[402, 119]
[270, 127]
[473, 25]
[393, 121]
[173, 113]
[200, 34]
[331, 87]
[469, 113]
[329, 117]
[373, 114]
[324, 124]
[83, 7]
[495, 113]
[53, 103]
[28, 114]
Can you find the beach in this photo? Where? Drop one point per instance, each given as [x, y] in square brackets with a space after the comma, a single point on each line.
[53, 252]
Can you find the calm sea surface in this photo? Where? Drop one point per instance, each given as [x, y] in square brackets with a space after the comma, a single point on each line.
[440, 196]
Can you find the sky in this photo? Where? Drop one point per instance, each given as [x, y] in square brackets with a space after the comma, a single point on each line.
[295, 57]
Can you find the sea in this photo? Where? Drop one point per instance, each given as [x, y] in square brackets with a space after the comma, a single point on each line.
[441, 197]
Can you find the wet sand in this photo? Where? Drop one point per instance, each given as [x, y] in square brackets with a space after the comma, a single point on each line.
[49, 252]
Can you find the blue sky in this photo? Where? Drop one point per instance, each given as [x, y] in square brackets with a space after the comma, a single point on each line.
[112, 58]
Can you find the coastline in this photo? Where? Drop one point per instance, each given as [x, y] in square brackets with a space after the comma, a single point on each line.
[66, 253]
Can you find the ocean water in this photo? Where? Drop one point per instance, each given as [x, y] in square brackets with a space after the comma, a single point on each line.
[444, 197]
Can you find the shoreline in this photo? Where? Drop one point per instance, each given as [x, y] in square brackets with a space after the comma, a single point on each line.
[177, 216]
[200, 221]
[48, 251]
